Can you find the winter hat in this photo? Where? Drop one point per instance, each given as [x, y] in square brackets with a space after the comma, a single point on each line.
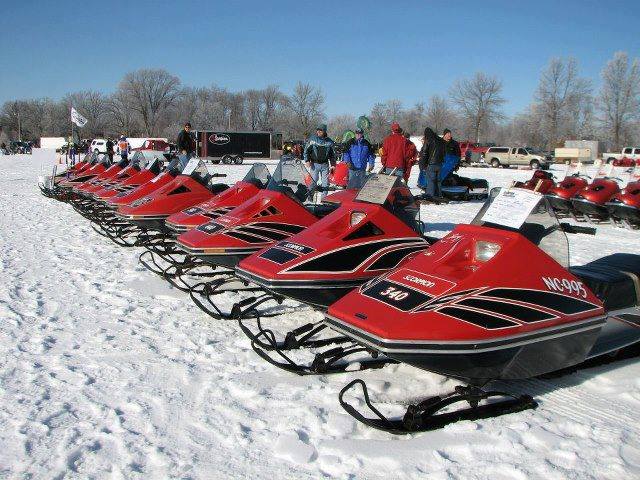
[323, 127]
[395, 127]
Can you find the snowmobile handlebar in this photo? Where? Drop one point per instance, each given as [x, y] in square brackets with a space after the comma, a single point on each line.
[218, 175]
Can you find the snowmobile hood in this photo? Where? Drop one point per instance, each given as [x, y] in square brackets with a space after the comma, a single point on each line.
[177, 195]
[357, 241]
[268, 217]
[450, 294]
[599, 191]
[146, 188]
[212, 208]
[568, 187]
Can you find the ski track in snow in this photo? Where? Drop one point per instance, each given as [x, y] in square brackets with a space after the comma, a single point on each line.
[107, 372]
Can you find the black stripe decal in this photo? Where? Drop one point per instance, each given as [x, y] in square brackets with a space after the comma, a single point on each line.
[554, 301]
[483, 320]
[398, 296]
[269, 234]
[278, 256]
[346, 259]
[393, 258]
[630, 318]
[515, 311]
[245, 237]
[285, 227]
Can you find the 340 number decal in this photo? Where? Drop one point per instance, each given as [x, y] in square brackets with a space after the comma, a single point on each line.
[564, 285]
[394, 294]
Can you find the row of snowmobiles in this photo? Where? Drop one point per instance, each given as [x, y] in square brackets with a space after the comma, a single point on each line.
[596, 200]
[465, 306]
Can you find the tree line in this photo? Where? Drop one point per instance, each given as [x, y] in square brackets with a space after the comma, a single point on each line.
[153, 102]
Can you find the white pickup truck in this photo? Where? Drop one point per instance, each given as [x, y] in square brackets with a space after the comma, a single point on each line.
[627, 152]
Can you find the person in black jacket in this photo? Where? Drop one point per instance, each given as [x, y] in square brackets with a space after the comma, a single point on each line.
[431, 158]
[109, 148]
[184, 143]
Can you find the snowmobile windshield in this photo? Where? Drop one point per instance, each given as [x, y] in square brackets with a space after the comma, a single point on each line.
[393, 194]
[91, 158]
[528, 213]
[138, 160]
[291, 179]
[197, 170]
[258, 175]
[175, 167]
[123, 163]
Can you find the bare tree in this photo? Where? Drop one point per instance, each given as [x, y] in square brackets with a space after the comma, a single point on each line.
[150, 94]
[306, 108]
[93, 106]
[479, 100]
[338, 124]
[561, 95]
[120, 117]
[438, 114]
[619, 100]
[272, 103]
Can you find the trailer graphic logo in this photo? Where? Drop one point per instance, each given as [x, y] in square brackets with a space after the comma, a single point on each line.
[219, 138]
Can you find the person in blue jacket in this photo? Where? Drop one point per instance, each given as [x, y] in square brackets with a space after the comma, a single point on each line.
[360, 158]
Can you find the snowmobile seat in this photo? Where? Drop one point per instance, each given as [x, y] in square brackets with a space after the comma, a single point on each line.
[217, 188]
[321, 210]
[614, 279]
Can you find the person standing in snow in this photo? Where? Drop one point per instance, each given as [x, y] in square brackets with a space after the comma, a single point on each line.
[109, 148]
[451, 155]
[431, 158]
[360, 158]
[412, 156]
[319, 156]
[123, 147]
[394, 152]
[185, 144]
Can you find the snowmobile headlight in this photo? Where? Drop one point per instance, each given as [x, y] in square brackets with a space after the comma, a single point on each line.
[356, 217]
[485, 251]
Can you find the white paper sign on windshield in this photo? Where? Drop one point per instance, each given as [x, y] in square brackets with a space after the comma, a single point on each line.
[511, 207]
[191, 166]
[377, 189]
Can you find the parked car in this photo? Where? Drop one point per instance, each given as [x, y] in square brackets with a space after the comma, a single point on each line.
[507, 156]
[632, 153]
[98, 145]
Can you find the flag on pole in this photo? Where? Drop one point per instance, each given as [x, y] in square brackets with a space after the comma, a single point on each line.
[78, 119]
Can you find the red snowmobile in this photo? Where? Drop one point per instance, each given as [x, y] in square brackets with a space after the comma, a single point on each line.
[179, 263]
[365, 237]
[50, 185]
[560, 196]
[624, 207]
[541, 181]
[99, 165]
[145, 169]
[147, 214]
[122, 232]
[272, 215]
[590, 202]
[470, 308]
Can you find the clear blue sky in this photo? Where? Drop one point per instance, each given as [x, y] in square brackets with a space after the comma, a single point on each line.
[357, 52]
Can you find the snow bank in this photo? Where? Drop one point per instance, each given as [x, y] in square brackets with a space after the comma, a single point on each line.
[106, 372]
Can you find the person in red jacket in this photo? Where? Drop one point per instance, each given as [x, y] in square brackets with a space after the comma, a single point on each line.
[394, 152]
[412, 157]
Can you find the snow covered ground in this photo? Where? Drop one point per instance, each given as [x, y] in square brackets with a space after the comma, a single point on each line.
[106, 372]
